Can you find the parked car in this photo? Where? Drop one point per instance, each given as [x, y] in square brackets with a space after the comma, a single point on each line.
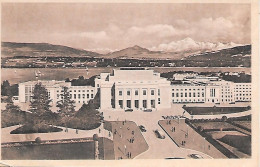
[195, 156]
[159, 134]
[142, 128]
[148, 110]
[175, 158]
[129, 110]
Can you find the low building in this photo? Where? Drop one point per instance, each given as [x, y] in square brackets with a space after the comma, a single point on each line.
[80, 94]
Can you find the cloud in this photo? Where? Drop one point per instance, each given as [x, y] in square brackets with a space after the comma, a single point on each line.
[157, 30]
[189, 45]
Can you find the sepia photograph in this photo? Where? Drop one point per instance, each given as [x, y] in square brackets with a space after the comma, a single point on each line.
[124, 81]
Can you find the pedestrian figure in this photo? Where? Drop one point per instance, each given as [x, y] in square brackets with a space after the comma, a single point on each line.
[130, 155]
[123, 123]
[77, 131]
[174, 129]
[170, 122]
[209, 147]
[109, 134]
[128, 128]
[133, 139]
[133, 132]
[99, 130]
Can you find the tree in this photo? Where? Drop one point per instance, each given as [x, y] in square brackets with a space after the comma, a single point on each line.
[5, 88]
[10, 107]
[66, 105]
[40, 105]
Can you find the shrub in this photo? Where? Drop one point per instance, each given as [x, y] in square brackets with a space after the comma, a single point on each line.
[95, 137]
[38, 140]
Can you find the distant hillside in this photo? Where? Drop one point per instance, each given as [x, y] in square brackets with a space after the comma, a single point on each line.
[137, 52]
[230, 54]
[11, 49]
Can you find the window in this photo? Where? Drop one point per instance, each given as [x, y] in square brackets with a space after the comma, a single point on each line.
[172, 94]
[159, 101]
[136, 92]
[128, 103]
[70, 96]
[144, 103]
[92, 95]
[177, 94]
[202, 94]
[198, 94]
[79, 96]
[152, 92]
[181, 94]
[74, 90]
[136, 103]
[185, 94]
[190, 94]
[120, 102]
[78, 90]
[159, 93]
[97, 85]
[83, 96]
[87, 96]
[83, 90]
[194, 94]
[120, 93]
[144, 92]
[128, 93]
[75, 96]
[153, 103]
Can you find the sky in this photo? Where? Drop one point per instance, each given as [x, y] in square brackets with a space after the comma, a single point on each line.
[109, 27]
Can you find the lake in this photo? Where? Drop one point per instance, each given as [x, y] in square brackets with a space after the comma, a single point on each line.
[17, 75]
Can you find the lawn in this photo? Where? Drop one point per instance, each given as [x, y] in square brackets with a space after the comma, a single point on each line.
[214, 125]
[245, 124]
[50, 151]
[214, 110]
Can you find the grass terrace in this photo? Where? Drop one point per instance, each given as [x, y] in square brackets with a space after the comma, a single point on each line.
[214, 110]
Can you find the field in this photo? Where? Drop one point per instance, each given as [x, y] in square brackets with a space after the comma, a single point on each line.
[50, 151]
[214, 110]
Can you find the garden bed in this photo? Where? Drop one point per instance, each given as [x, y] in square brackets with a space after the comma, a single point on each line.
[27, 129]
[214, 110]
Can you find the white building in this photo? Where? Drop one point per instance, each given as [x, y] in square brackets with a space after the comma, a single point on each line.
[135, 88]
[80, 94]
[210, 90]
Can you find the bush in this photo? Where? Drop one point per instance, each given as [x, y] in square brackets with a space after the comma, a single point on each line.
[38, 140]
[95, 137]
[35, 128]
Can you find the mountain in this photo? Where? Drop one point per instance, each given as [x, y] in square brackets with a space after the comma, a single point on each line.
[137, 52]
[11, 49]
[229, 54]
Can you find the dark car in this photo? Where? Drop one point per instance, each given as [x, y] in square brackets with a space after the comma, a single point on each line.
[148, 110]
[129, 110]
[142, 128]
[195, 156]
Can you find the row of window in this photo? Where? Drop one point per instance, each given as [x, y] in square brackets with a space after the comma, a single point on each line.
[137, 103]
[136, 92]
[78, 91]
[74, 96]
[187, 89]
[186, 94]
[187, 100]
